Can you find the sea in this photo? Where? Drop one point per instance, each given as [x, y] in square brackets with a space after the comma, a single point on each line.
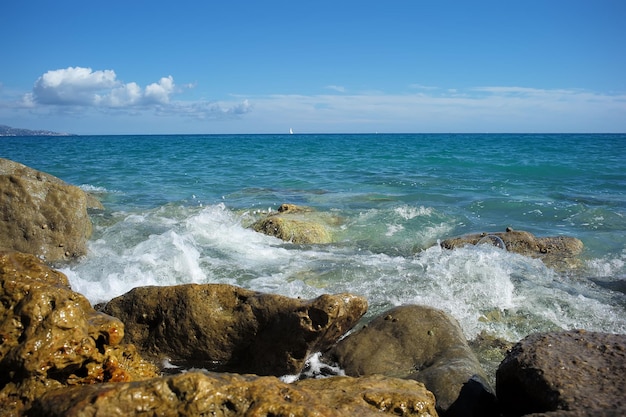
[178, 209]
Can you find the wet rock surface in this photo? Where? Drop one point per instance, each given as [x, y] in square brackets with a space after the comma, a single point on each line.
[295, 224]
[228, 328]
[51, 337]
[490, 351]
[204, 394]
[60, 357]
[573, 371]
[423, 344]
[580, 413]
[557, 251]
[41, 214]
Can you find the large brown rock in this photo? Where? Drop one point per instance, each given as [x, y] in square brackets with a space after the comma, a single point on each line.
[42, 215]
[574, 371]
[228, 328]
[295, 224]
[424, 344]
[556, 251]
[210, 394]
[51, 337]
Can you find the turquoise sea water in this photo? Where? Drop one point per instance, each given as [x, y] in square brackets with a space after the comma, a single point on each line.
[178, 207]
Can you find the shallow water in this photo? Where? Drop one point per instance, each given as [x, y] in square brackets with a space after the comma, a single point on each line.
[178, 207]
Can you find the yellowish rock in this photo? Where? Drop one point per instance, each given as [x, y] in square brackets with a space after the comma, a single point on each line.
[200, 394]
[297, 224]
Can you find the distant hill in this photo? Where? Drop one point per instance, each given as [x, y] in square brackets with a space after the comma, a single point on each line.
[14, 131]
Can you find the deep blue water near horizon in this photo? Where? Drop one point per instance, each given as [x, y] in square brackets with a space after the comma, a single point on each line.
[177, 209]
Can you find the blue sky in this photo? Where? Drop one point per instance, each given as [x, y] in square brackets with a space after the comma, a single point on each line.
[123, 67]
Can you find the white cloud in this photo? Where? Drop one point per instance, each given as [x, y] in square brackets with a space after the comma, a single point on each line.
[100, 95]
[77, 89]
[337, 88]
[85, 87]
[481, 109]
[73, 85]
[422, 87]
[206, 110]
[123, 95]
[160, 92]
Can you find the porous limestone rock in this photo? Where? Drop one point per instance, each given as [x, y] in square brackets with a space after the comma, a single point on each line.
[295, 224]
[556, 251]
[51, 337]
[41, 214]
[204, 394]
[228, 328]
[423, 344]
[575, 370]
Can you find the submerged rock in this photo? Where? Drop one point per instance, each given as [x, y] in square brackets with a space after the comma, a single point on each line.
[204, 394]
[41, 214]
[490, 351]
[228, 328]
[423, 344]
[295, 224]
[557, 251]
[576, 371]
[51, 337]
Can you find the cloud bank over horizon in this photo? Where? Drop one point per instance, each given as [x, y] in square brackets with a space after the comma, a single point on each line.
[103, 103]
[101, 89]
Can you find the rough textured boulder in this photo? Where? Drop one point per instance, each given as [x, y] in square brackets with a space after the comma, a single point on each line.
[580, 413]
[51, 336]
[575, 371]
[228, 328]
[558, 251]
[424, 344]
[296, 224]
[200, 394]
[42, 215]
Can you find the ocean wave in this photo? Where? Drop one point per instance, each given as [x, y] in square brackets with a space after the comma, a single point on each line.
[483, 287]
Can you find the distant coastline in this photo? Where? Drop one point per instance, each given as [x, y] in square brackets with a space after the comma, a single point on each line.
[14, 131]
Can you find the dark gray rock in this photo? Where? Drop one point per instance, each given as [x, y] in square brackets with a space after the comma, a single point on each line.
[574, 371]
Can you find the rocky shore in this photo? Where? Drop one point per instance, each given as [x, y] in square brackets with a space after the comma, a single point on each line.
[216, 349]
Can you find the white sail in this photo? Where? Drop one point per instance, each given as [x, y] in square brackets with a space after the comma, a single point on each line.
[290, 131]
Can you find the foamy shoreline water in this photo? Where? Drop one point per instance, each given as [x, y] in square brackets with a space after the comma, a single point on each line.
[177, 208]
[485, 288]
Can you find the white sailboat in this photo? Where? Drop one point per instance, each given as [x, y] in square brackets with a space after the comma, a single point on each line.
[290, 131]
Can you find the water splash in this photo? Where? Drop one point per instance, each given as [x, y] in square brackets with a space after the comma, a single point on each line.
[483, 287]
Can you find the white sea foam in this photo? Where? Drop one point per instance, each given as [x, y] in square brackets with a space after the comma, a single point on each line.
[93, 189]
[392, 229]
[218, 228]
[608, 266]
[483, 287]
[410, 212]
[171, 246]
[314, 368]
[166, 364]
